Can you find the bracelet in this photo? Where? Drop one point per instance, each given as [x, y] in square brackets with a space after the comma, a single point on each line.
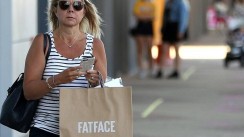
[49, 86]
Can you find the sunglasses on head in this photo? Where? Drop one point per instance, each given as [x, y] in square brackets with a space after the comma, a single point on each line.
[77, 5]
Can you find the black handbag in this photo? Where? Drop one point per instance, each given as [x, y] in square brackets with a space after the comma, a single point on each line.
[17, 112]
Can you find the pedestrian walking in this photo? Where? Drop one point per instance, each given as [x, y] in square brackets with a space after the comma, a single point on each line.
[75, 37]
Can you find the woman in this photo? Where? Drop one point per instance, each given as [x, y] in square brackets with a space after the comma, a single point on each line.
[174, 27]
[72, 21]
[143, 32]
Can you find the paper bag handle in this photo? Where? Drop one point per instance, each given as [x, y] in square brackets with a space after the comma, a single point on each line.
[101, 83]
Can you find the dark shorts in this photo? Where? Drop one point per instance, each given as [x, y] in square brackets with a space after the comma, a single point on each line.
[170, 32]
[144, 28]
[36, 132]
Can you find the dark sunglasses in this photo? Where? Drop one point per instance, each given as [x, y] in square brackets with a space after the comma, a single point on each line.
[77, 5]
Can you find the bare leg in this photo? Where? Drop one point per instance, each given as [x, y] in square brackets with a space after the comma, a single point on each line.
[175, 73]
[164, 54]
[177, 58]
[139, 51]
[142, 45]
[162, 61]
[149, 47]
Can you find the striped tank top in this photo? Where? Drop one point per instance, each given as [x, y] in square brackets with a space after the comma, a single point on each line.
[47, 114]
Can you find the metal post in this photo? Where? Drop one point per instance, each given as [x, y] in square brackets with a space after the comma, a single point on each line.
[5, 56]
[121, 35]
[42, 16]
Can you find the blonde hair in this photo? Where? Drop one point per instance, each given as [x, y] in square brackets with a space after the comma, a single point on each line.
[90, 23]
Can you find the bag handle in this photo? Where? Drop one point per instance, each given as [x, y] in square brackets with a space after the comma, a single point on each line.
[101, 83]
[100, 79]
[20, 77]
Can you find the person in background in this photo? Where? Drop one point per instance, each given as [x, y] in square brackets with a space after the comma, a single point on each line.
[176, 17]
[237, 9]
[188, 8]
[221, 9]
[211, 17]
[75, 36]
[236, 17]
[143, 33]
[187, 3]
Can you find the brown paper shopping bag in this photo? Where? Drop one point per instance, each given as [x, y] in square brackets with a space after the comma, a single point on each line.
[96, 112]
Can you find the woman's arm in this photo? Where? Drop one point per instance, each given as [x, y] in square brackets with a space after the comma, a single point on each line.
[183, 19]
[100, 64]
[34, 86]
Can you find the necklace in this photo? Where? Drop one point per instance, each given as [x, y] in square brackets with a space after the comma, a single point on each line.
[72, 42]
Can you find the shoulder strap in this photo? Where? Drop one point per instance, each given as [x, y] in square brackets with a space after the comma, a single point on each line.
[46, 45]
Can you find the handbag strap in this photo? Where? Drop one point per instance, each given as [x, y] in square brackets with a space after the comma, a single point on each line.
[46, 45]
[20, 77]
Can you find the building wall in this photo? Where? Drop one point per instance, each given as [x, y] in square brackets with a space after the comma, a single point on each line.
[5, 56]
[24, 28]
[18, 27]
[197, 21]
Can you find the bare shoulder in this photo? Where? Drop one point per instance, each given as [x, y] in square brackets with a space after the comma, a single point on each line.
[98, 49]
[36, 49]
[38, 39]
[36, 46]
[97, 43]
[35, 60]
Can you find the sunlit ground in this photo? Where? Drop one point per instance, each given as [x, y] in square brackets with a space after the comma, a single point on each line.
[197, 51]
[201, 51]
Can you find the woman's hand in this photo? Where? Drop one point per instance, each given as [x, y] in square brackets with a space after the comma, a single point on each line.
[69, 75]
[93, 77]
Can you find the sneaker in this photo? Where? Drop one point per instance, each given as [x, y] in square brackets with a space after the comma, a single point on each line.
[174, 75]
[159, 74]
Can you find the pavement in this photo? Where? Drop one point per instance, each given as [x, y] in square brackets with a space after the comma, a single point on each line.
[208, 100]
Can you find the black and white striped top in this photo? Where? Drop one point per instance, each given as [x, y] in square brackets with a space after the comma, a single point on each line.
[47, 114]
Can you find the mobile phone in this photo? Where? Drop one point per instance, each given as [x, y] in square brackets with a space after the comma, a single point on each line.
[87, 64]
